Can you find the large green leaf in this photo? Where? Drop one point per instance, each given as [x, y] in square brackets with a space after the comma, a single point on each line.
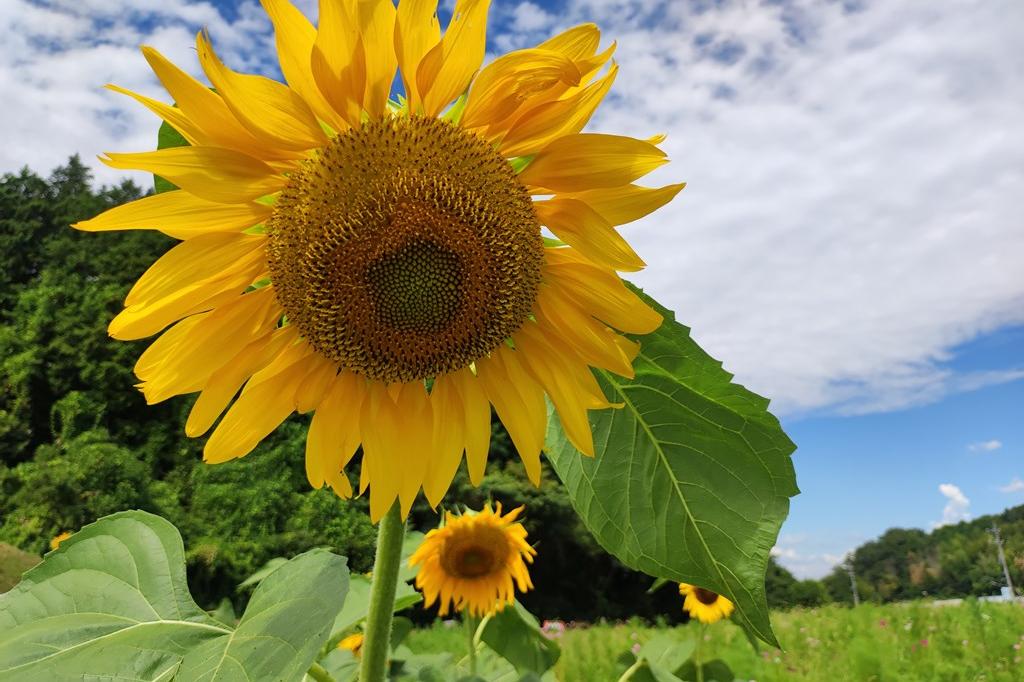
[514, 635]
[112, 603]
[692, 476]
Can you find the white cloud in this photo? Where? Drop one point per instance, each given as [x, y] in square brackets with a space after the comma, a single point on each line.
[985, 446]
[956, 508]
[852, 213]
[1014, 486]
[813, 556]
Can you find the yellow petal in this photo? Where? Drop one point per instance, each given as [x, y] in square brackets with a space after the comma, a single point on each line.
[314, 386]
[205, 257]
[339, 60]
[577, 42]
[380, 423]
[595, 342]
[477, 417]
[377, 27]
[186, 360]
[582, 228]
[510, 79]
[416, 32]
[334, 432]
[259, 410]
[179, 215]
[519, 401]
[567, 381]
[449, 438]
[149, 317]
[295, 37]
[590, 161]
[223, 384]
[621, 205]
[599, 291]
[446, 70]
[415, 441]
[536, 128]
[276, 116]
[220, 175]
[172, 115]
[204, 107]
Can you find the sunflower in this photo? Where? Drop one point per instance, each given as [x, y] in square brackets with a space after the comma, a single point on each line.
[380, 263]
[474, 562]
[704, 605]
[59, 538]
[353, 643]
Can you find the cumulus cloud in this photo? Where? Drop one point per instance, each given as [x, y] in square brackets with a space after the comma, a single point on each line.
[985, 446]
[957, 504]
[854, 169]
[813, 556]
[1014, 486]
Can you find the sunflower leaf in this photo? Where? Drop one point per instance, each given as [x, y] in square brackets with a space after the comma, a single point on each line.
[513, 634]
[113, 603]
[692, 476]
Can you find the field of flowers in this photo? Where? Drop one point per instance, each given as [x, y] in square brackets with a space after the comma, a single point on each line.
[909, 642]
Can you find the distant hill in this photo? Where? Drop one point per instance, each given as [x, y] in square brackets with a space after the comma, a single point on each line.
[958, 560]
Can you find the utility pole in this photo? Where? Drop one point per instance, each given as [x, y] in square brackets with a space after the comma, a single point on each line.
[1002, 558]
[848, 565]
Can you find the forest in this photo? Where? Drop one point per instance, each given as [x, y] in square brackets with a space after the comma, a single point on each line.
[78, 442]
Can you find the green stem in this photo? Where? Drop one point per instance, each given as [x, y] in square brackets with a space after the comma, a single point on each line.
[697, 660]
[374, 663]
[628, 675]
[317, 672]
[470, 623]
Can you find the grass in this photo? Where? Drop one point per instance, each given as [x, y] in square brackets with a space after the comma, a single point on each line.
[913, 642]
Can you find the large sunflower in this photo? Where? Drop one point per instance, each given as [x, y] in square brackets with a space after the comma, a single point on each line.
[381, 263]
[704, 605]
[474, 562]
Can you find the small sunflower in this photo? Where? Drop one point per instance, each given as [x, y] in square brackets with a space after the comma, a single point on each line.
[380, 263]
[55, 541]
[474, 562]
[353, 643]
[705, 605]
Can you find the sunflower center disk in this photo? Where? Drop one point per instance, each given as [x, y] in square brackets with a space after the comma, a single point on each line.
[705, 596]
[406, 249]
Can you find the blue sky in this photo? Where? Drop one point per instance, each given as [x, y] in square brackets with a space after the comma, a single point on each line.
[849, 242]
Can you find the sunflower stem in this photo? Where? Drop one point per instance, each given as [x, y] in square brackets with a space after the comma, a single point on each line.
[318, 673]
[471, 628]
[390, 532]
[697, 659]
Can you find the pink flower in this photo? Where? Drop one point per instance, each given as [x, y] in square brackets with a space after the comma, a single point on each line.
[635, 649]
[883, 623]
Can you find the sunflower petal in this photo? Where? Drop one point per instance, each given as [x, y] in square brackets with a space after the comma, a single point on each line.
[536, 128]
[447, 69]
[172, 115]
[621, 205]
[295, 37]
[380, 423]
[225, 382]
[178, 214]
[519, 401]
[591, 161]
[220, 175]
[314, 386]
[204, 107]
[599, 291]
[334, 433]
[596, 343]
[377, 27]
[510, 79]
[449, 438]
[416, 32]
[274, 114]
[578, 42]
[583, 228]
[415, 441]
[260, 409]
[339, 60]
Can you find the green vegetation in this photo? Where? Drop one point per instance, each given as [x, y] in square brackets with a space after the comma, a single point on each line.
[912, 642]
[77, 442]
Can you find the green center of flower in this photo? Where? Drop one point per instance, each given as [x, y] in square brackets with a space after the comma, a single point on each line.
[405, 249]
